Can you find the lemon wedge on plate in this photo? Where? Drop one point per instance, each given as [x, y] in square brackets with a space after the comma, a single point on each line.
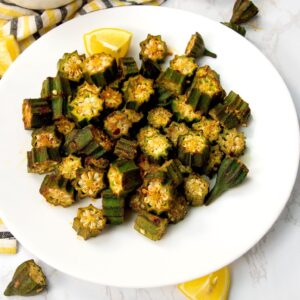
[9, 50]
[113, 41]
[214, 286]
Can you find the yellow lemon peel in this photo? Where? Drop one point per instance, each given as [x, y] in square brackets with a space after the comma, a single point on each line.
[9, 50]
[113, 41]
[214, 286]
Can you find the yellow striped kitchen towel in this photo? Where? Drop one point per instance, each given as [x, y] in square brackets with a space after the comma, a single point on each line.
[8, 244]
[28, 25]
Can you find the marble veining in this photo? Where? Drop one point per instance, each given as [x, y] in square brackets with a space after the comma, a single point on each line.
[271, 269]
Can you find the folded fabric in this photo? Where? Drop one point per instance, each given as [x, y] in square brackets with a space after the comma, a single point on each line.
[8, 244]
[28, 25]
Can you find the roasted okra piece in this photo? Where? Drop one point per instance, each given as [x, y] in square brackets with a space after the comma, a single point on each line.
[196, 188]
[151, 226]
[153, 48]
[98, 163]
[64, 125]
[69, 166]
[58, 91]
[237, 28]
[28, 280]
[185, 65]
[185, 170]
[126, 148]
[100, 69]
[45, 137]
[172, 81]
[77, 139]
[207, 82]
[150, 69]
[89, 141]
[89, 221]
[199, 101]
[146, 166]
[133, 116]
[117, 124]
[232, 172]
[232, 142]
[225, 116]
[214, 161]
[163, 96]
[111, 97]
[209, 128]
[239, 107]
[42, 160]
[58, 190]
[136, 202]
[128, 67]
[157, 193]
[87, 105]
[89, 182]
[36, 113]
[183, 111]
[243, 11]
[137, 90]
[175, 130]
[123, 177]
[173, 172]
[193, 149]
[159, 117]
[178, 210]
[113, 207]
[196, 47]
[154, 145]
[99, 145]
[70, 66]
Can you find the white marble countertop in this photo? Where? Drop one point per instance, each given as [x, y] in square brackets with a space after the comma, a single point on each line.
[271, 269]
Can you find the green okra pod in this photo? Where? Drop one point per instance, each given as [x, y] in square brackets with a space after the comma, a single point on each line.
[113, 207]
[58, 190]
[150, 69]
[232, 172]
[36, 113]
[237, 28]
[151, 226]
[100, 69]
[126, 148]
[128, 67]
[243, 11]
[196, 47]
[43, 160]
[89, 221]
[28, 280]
[57, 90]
[124, 177]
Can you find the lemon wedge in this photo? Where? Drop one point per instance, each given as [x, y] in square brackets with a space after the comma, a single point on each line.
[9, 50]
[214, 286]
[113, 41]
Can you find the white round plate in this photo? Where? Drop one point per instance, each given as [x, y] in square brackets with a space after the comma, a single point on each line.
[210, 237]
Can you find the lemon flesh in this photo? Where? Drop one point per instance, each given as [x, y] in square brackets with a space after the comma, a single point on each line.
[9, 50]
[214, 286]
[113, 41]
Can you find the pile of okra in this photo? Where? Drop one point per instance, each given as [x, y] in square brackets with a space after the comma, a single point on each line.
[145, 139]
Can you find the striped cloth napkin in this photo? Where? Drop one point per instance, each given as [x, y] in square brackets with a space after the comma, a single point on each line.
[27, 26]
[8, 244]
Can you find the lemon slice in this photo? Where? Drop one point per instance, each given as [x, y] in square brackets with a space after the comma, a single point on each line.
[9, 50]
[113, 41]
[214, 286]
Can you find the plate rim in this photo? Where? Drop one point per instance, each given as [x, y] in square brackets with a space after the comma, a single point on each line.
[289, 189]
